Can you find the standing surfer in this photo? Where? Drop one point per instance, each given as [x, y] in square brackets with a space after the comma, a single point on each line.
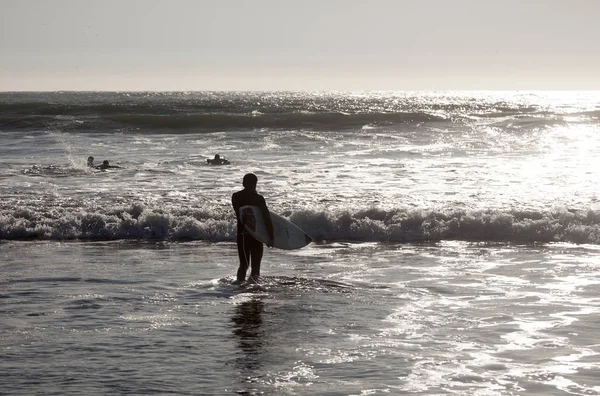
[250, 250]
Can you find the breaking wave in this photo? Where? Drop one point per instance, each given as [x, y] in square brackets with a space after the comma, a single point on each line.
[137, 222]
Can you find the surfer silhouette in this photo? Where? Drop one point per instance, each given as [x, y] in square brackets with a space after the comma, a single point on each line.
[106, 165]
[217, 160]
[250, 250]
[90, 162]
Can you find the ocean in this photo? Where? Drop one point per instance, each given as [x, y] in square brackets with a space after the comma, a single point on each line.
[456, 243]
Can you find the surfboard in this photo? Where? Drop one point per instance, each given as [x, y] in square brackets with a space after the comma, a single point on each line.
[287, 235]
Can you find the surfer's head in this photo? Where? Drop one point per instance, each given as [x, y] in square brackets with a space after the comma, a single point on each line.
[105, 162]
[90, 161]
[250, 181]
[217, 156]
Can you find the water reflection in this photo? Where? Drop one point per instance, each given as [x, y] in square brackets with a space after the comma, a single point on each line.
[248, 321]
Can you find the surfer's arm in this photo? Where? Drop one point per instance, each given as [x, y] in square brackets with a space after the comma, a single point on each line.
[234, 202]
[268, 223]
[236, 208]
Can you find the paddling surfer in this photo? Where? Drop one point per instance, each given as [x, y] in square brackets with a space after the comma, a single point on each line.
[217, 160]
[107, 165]
[250, 250]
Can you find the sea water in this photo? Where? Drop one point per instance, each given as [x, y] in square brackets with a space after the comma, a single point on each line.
[456, 240]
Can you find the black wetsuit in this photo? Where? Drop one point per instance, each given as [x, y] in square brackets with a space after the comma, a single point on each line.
[250, 250]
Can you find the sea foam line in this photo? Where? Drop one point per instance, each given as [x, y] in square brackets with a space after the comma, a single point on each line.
[138, 222]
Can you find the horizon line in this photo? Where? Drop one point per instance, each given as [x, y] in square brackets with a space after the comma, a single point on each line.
[295, 90]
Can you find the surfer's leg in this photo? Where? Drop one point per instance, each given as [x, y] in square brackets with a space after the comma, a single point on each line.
[243, 247]
[255, 258]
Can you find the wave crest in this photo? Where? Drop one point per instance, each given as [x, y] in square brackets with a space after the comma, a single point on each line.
[370, 225]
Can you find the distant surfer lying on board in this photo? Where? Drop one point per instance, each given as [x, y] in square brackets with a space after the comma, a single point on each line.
[106, 165]
[250, 250]
[217, 160]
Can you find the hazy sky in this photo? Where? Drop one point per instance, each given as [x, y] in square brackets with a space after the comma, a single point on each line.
[299, 45]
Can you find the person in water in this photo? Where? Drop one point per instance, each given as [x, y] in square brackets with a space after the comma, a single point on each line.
[217, 160]
[106, 165]
[90, 162]
[250, 250]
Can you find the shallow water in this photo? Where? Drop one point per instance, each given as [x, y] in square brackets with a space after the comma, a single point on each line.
[338, 319]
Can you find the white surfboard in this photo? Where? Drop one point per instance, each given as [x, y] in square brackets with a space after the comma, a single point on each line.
[287, 235]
